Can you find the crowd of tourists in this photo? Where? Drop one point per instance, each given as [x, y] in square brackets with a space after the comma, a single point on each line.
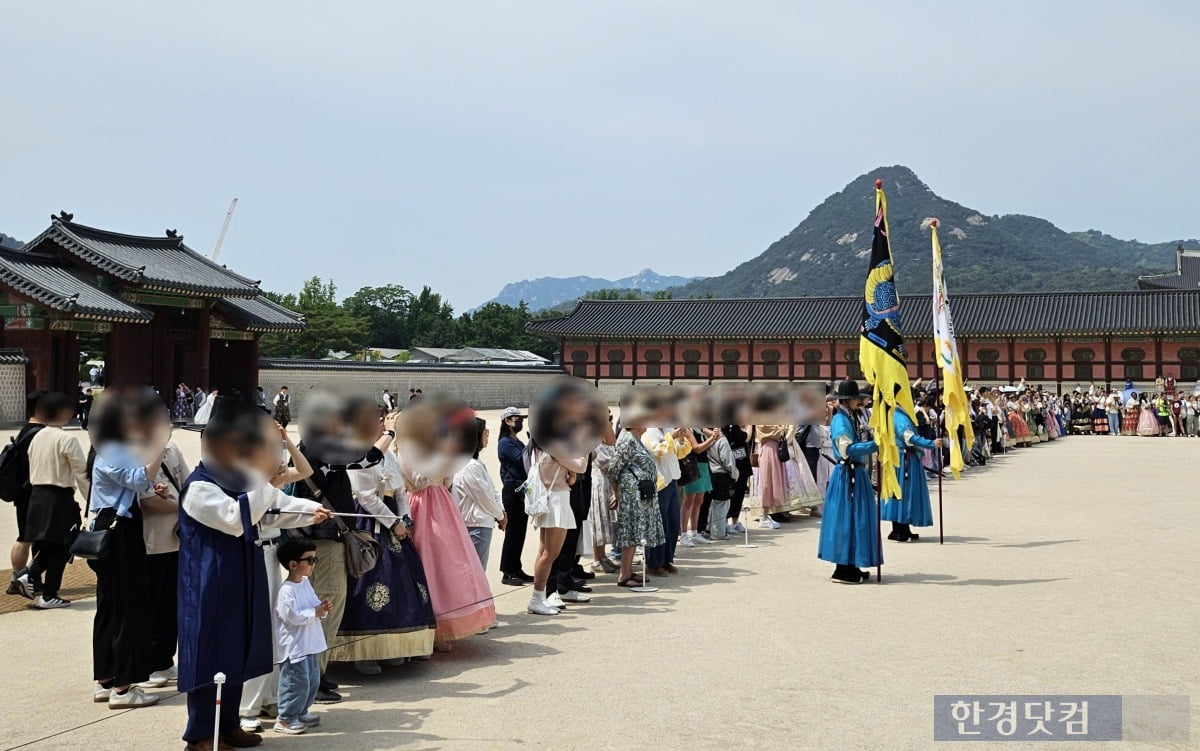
[368, 542]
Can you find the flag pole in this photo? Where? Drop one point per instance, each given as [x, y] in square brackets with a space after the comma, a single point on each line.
[941, 433]
[879, 521]
[937, 380]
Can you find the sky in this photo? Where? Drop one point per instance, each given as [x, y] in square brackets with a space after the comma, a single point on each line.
[463, 145]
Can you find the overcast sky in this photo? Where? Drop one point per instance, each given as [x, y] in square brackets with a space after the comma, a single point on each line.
[468, 144]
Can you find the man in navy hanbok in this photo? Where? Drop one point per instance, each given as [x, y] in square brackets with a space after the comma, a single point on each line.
[224, 602]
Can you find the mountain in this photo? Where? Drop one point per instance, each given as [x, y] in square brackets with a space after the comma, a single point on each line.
[549, 291]
[10, 243]
[826, 254]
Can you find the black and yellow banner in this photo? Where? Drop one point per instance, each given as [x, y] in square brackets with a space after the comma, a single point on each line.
[881, 354]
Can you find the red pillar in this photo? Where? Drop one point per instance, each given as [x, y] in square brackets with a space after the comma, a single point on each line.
[204, 339]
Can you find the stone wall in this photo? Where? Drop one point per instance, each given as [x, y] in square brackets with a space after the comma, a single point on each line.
[483, 387]
[12, 393]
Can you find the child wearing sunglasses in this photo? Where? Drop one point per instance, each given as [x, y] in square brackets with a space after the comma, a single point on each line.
[299, 612]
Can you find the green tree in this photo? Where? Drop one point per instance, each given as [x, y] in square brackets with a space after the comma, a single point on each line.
[386, 311]
[431, 321]
[330, 326]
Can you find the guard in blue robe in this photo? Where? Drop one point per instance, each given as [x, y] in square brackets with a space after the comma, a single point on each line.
[913, 509]
[849, 524]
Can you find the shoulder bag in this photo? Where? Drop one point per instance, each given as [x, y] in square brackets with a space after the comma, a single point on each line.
[537, 495]
[362, 549]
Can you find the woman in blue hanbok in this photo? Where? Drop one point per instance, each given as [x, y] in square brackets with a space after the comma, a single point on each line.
[849, 529]
[913, 509]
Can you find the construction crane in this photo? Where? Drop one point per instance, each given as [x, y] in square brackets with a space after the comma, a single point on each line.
[216, 251]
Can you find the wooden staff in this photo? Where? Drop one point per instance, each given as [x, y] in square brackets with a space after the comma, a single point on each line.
[941, 433]
[879, 520]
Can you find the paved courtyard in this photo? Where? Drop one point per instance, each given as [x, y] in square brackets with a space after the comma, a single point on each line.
[1068, 568]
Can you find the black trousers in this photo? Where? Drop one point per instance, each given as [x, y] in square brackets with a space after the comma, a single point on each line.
[202, 711]
[562, 570]
[740, 489]
[705, 512]
[514, 533]
[162, 570]
[121, 629]
[812, 454]
[49, 562]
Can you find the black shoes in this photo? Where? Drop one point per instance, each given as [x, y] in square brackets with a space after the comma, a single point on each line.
[518, 579]
[327, 697]
[581, 573]
[850, 575]
[327, 685]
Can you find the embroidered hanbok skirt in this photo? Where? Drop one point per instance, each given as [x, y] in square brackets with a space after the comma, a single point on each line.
[389, 612]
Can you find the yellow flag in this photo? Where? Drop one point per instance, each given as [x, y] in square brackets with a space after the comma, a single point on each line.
[954, 396]
[881, 353]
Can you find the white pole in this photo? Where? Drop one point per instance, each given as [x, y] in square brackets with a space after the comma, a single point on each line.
[218, 679]
[644, 587]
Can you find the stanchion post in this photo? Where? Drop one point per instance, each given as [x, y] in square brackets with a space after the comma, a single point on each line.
[218, 679]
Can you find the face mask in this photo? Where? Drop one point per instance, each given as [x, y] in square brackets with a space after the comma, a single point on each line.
[518, 425]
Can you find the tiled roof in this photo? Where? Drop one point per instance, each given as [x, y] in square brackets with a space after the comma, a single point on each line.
[1046, 314]
[13, 357]
[259, 314]
[54, 284]
[160, 263]
[402, 367]
[1185, 276]
[492, 353]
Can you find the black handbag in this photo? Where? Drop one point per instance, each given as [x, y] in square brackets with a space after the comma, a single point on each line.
[93, 543]
[781, 450]
[689, 469]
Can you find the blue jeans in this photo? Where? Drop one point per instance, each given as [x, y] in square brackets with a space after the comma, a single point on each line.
[1114, 423]
[481, 538]
[298, 682]
[668, 508]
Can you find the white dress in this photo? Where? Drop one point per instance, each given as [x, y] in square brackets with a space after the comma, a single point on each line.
[560, 515]
[205, 411]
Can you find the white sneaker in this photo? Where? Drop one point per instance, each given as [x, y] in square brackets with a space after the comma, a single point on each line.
[160, 678]
[291, 727]
[701, 539]
[767, 523]
[556, 601]
[131, 699]
[368, 667]
[574, 596]
[731, 529]
[686, 541]
[310, 720]
[537, 607]
[25, 587]
[739, 528]
[250, 725]
[100, 695]
[50, 604]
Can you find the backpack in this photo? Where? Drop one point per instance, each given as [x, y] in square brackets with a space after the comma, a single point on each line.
[14, 467]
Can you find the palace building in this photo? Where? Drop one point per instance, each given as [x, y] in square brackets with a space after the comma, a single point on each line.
[1055, 339]
[167, 314]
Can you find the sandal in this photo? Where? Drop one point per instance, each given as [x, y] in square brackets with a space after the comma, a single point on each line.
[629, 583]
[608, 566]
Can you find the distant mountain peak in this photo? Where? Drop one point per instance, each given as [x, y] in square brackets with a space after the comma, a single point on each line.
[826, 254]
[548, 291]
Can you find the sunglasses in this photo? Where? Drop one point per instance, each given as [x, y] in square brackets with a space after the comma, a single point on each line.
[311, 560]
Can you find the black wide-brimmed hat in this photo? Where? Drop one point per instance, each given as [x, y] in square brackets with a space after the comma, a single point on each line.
[845, 390]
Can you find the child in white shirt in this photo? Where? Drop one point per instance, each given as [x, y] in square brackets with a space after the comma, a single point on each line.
[299, 612]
